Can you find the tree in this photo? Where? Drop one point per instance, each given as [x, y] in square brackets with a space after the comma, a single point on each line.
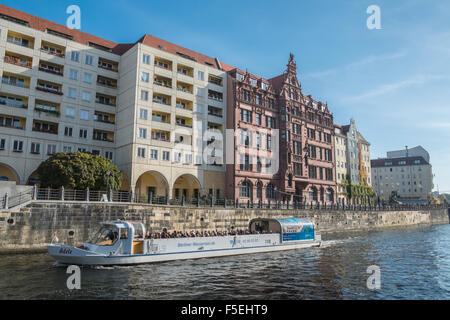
[79, 171]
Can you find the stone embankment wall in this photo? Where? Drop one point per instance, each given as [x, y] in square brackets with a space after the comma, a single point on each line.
[33, 227]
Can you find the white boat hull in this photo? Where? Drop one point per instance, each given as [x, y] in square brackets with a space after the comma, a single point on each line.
[73, 256]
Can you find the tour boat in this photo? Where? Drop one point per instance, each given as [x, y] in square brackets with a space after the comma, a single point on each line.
[123, 243]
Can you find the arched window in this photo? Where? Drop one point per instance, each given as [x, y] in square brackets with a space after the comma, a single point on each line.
[259, 187]
[270, 191]
[245, 190]
[330, 195]
[313, 194]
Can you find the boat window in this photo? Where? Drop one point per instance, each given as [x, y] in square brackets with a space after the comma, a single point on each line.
[123, 233]
[106, 236]
[138, 230]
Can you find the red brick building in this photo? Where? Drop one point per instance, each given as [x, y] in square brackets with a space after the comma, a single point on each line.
[284, 140]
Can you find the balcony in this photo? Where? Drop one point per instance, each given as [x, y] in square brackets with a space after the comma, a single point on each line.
[185, 70]
[163, 63]
[184, 122]
[216, 112]
[103, 136]
[162, 99]
[214, 95]
[16, 80]
[49, 87]
[13, 101]
[45, 127]
[20, 40]
[19, 60]
[106, 82]
[218, 81]
[53, 49]
[47, 107]
[106, 100]
[184, 87]
[104, 118]
[184, 104]
[162, 82]
[108, 65]
[161, 117]
[12, 122]
[159, 135]
[51, 68]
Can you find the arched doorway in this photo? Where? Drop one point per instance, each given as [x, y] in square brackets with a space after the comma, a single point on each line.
[8, 174]
[313, 194]
[152, 183]
[186, 186]
[33, 179]
[259, 191]
[330, 195]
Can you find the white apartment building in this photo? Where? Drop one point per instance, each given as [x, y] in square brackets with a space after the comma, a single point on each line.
[147, 106]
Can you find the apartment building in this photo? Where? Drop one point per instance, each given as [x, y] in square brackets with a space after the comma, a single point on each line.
[284, 140]
[149, 106]
[353, 167]
[410, 177]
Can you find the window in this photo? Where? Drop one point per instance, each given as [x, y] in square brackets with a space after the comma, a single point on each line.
[258, 119]
[18, 146]
[177, 157]
[75, 56]
[199, 108]
[246, 116]
[89, 60]
[201, 75]
[96, 152]
[269, 142]
[86, 96]
[142, 133]
[145, 77]
[258, 99]
[246, 95]
[154, 154]
[72, 93]
[200, 92]
[166, 155]
[87, 78]
[312, 172]
[143, 114]
[245, 190]
[109, 155]
[2, 144]
[83, 133]
[188, 158]
[144, 95]
[67, 149]
[35, 148]
[70, 112]
[51, 149]
[68, 131]
[145, 58]
[270, 122]
[73, 74]
[84, 115]
[141, 152]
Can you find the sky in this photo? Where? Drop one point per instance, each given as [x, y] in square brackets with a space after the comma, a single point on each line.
[393, 81]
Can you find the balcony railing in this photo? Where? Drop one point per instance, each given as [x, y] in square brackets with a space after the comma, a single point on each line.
[53, 52]
[105, 121]
[102, 139]
[46, 130]
[184, 74]
[215, 114]
[162, 84]
[108, 85]
[18, 62]
[105, 103]
[14, 105]
[184, 90]
[16, 84]
[49, 90]
[47, 110]
[161, 102]
[160, 139]
[19, 43]
[57, 72]
[4, 125]
[215, 98]
[184, 125]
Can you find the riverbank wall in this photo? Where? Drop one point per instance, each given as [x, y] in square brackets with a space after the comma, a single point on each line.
[32, 227]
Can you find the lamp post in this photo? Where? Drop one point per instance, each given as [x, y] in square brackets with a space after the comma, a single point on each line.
[108, 173]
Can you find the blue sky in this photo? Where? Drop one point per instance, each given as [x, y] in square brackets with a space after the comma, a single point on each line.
[394, 81]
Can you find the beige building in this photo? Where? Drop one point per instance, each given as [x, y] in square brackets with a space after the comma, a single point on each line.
[352, 153]
[150, 106]
[410, 177]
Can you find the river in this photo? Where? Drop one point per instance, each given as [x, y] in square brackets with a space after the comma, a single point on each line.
[414, 264]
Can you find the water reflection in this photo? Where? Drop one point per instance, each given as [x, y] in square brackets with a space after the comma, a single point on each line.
[414, 265]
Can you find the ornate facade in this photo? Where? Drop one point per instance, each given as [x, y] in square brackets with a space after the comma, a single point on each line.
[278, 127]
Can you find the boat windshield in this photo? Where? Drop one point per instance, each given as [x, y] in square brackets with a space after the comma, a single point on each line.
[106, 236]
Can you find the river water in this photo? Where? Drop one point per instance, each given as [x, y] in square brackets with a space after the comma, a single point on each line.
[414, 264]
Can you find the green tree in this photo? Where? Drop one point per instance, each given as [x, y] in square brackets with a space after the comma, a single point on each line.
[79, 171]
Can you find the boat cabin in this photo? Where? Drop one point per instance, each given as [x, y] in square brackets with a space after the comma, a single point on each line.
[290, 229]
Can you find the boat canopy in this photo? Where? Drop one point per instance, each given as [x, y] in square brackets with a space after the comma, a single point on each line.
[291, 229]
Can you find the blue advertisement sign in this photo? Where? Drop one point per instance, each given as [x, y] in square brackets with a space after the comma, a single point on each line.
[296, 229]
